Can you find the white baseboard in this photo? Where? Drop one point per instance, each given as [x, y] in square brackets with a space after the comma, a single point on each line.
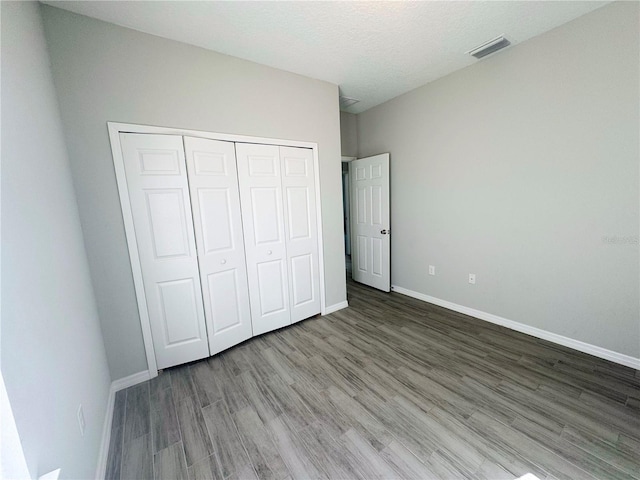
[106, 436]
[594, 350]
[130, 381]
[335, 307]
[116, 386]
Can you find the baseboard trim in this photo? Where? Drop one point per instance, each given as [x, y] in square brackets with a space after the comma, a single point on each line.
[130, 381]
[594, 350]
[335, 307]
[106, 436]
[116, 386]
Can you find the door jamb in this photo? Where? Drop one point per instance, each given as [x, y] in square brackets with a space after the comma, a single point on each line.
[348, 201]
[115, 129]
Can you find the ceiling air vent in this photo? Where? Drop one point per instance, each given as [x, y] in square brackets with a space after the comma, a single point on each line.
[487, 48]
[347, 101]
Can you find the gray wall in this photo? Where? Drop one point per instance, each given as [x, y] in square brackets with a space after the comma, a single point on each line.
[349, 134]
[103, 72]
[521, 169]
[53, 358]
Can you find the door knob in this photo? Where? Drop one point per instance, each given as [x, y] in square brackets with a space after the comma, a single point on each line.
[385, 232]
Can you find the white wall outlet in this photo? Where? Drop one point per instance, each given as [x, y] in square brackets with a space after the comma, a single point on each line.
[472, 278]
[81, 423]
[432, 270]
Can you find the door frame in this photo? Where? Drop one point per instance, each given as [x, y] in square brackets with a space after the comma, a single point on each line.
[115, 129]
[346, 200]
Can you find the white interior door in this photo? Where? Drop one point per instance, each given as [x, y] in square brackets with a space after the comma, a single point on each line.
[215, 200]
[263, 221]
[159, 195]
[301, 228]
[370, 225]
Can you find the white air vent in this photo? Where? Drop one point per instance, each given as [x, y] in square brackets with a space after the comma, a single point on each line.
[347, 101]
[487, 48]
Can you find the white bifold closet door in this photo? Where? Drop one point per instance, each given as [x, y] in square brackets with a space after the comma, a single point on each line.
[215, 200]
[301, 231]
[265, 245]
[277, 192]
[160, 204]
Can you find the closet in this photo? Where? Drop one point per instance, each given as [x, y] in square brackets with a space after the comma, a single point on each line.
[226, 238]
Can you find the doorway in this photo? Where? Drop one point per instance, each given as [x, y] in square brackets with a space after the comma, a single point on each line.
[346, 212]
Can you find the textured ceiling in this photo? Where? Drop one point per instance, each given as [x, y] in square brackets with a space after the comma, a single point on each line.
[373, 50]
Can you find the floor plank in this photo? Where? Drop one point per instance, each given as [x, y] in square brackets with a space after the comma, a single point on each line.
[195, 437]
[137, 460]
[137, 421]
[114, 458]
[205, 469]
[230, 455]
[164, 421]
[293, 452]
[170, 463]
[262, 452]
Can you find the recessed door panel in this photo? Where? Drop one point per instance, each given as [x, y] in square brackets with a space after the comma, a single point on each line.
[263, 219]
[272, 290]
[262, 165]
[213, 182]
[303, 279]
[361, 205]
[376, 255]
[265, 205]
[161, 208]
[166, 211]
[159, 162]
[376, 205]
[298, 207]
[216, 219]
[295, 166]
[179, 311]
[225, 298]
[209, 163]
[363, 253]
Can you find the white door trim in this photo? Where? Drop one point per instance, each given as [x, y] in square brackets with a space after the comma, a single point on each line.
[115, 129]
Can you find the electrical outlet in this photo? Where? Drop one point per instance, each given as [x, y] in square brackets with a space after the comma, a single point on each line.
[81, 420]
[472, 278]
[432, 270]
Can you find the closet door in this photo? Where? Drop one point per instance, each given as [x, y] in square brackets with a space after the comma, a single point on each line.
[301, 228]
[159, 196]
[262, 218]
[215, 200]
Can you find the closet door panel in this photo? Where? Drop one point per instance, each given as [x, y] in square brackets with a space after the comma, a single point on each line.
[302, 280]
[300, 212]
[159, 196]
[263, 220]
[179, 305]
[270, 276]
[213, 183]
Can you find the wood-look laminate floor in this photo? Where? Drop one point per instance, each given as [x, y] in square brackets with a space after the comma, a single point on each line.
[389, 388]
